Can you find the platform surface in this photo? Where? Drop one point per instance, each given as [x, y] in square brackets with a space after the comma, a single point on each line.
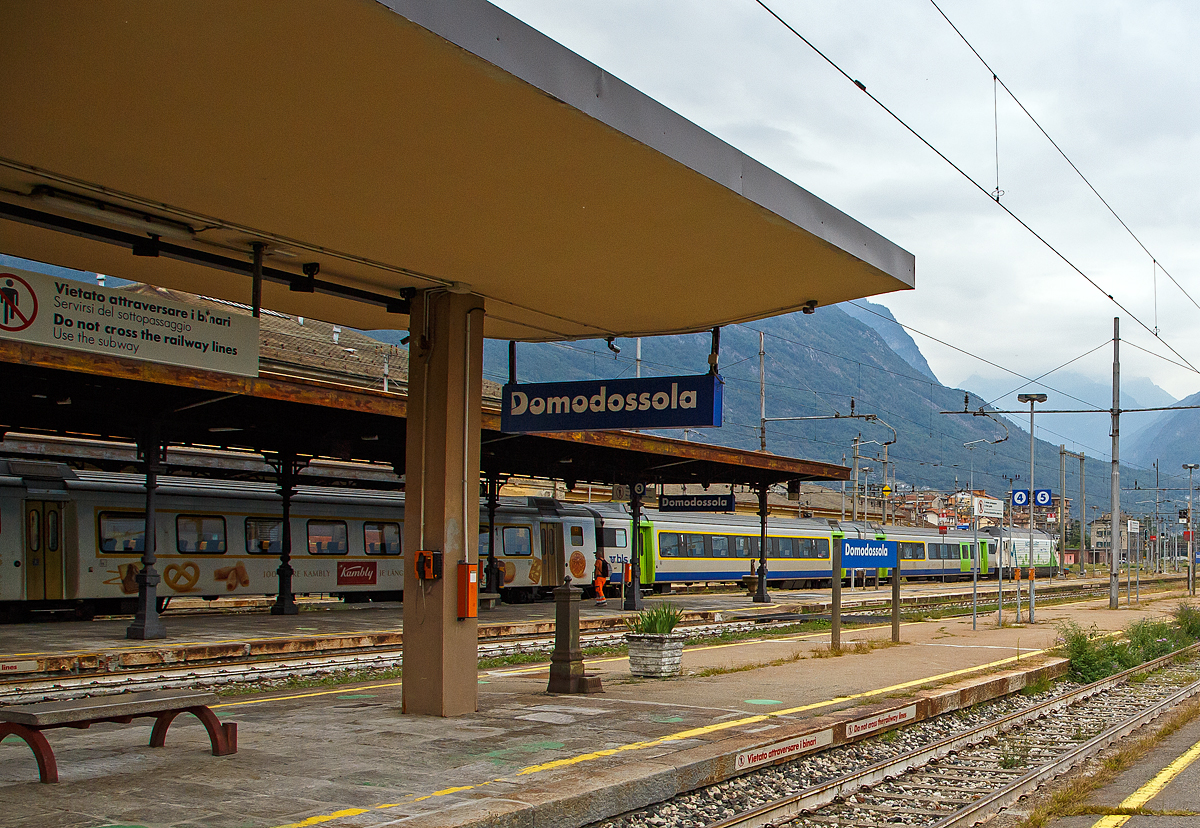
[346, 755]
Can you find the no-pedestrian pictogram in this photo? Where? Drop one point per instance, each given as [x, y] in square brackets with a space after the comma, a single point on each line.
[18, 303]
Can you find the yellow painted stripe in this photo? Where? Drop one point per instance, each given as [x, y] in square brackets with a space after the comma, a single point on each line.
[774, 714]
[309, 695]
[1151, 789]
[766, 639]
[317, 820]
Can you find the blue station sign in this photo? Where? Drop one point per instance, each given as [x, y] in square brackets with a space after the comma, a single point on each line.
[596, 405]
[696, 503]
[868, 554]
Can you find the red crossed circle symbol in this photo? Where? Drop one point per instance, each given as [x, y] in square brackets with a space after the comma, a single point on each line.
[13, 317]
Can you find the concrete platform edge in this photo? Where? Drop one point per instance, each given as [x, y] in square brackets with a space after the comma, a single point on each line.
[607, 792]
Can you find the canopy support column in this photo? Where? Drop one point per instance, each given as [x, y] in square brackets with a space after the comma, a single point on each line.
[146, 624]
[285, 600]
[441, 500]
[760, 595]
[492, 574]
[633, 587]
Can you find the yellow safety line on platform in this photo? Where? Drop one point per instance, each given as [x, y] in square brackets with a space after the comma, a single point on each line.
[1151, 789]
[679, 736]
[307, 695]
[702, 648]
[119, 648]
[317, 820]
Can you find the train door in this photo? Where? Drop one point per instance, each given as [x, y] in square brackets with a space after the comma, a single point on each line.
[967, 559]
[647, 574]
[43, 550]
[553, 565]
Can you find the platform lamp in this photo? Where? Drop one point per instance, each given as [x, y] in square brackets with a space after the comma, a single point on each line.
[1191, 467]
[1031, 399]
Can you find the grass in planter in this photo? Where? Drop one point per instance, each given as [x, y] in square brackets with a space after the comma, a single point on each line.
[660, 620]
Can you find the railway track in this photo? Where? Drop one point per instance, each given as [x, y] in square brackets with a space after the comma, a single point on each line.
[958, 780]
[250, 670]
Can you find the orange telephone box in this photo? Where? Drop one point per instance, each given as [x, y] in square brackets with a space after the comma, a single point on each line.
[468, 591]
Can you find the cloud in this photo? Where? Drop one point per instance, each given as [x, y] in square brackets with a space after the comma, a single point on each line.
[1111, 81]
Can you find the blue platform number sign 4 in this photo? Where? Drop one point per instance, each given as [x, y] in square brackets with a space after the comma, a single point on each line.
[1020, 497]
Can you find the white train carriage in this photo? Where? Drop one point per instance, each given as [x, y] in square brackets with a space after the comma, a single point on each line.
[539, 542]
[76, 543]
[81, 545]
[1015, 552]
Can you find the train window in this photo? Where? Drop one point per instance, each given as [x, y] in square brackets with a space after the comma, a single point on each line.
[484, 542]
[782, 547]
[745, 547]
[720, 546]
[200, 534]
[327, 537]
[668, 545]
[516, 541]
[35, 530]
[383, 538]
[122, 533]
[264, 536]
[694, 545]
[814, 547]
[614, 538]
[576, 536]
[51, 527]
[910, 551]
[942, 552]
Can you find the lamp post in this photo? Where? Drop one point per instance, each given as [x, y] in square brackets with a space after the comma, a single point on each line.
[974, 535]
[1031, 399]
[1191, 467]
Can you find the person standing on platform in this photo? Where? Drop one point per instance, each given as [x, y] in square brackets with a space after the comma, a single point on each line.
[600, 578]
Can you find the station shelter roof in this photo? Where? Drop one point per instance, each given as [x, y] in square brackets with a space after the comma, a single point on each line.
[58, 392]
[399, 145]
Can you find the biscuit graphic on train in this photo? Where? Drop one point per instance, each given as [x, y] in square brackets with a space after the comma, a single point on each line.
[182, 577]
[578, 565]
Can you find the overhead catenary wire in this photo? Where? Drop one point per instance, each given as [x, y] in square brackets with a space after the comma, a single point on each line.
[968, 353]
[1079, 172]
[1025, 225]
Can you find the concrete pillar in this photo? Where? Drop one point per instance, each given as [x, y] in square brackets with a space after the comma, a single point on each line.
[441, 498]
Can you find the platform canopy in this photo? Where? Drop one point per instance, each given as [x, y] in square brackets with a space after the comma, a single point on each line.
[399, 145]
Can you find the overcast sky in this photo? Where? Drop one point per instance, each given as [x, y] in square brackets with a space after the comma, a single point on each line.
[1111, 82]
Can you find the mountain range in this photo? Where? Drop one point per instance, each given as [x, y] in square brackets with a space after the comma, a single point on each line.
[815, 366]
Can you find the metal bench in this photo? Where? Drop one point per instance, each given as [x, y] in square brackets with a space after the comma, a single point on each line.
[29, 720]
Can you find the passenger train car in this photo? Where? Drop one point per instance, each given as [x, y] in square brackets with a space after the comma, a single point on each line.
[77, 544]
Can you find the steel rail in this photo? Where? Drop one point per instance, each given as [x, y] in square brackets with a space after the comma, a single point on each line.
[185, 674]
[827, 792]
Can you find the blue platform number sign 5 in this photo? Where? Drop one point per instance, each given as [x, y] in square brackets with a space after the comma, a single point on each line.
[1042, 497]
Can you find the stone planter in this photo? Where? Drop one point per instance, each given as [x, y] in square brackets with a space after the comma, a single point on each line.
[654, 654]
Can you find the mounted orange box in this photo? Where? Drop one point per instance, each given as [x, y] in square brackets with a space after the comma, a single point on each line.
[427, 565]
[468, 591]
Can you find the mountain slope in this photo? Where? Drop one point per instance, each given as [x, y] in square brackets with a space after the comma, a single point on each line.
[1089, 433]
[1173, 439]
[815, 364]
[880, 319]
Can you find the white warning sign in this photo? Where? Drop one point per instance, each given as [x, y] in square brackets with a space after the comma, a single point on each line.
[47, 310]
[785, 749]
